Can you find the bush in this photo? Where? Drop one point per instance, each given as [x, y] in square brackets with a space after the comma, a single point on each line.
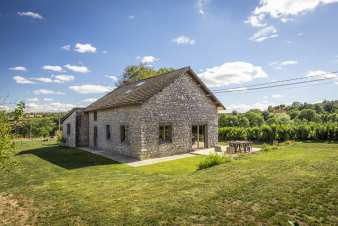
[297, 131]
[59, 137]
[213, 160]
[6, 143]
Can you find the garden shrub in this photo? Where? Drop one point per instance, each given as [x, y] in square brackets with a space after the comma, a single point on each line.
[297, 131]
[59, 137]
[212, 160]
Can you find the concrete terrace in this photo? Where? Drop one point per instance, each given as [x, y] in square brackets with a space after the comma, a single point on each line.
[136, 163]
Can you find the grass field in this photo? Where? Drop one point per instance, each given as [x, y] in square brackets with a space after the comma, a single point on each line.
[52, 185]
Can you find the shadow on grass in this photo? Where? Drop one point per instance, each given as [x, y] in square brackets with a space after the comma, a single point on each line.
[68, 158]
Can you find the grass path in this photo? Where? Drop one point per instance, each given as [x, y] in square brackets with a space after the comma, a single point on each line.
[61, 186]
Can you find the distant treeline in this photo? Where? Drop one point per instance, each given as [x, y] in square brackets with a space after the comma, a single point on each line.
[299, 121]
[30, 125]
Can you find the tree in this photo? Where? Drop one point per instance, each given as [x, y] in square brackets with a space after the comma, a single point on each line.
[42, 127]
[243, 121]
[319, 109]
[279, 119]
[226, 120]
[139, 72]
[294, 114]
[308, 114]
[329, 106]
[19, 114]
[255, 118]
[6, 143]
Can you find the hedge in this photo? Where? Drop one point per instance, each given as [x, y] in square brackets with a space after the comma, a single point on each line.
[281, 133]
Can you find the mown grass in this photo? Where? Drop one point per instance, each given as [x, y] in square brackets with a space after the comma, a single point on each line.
[61, 186]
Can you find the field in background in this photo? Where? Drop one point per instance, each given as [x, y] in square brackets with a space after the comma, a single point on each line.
[61, 186]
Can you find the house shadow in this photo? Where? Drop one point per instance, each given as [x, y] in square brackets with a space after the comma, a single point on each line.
[68, 158]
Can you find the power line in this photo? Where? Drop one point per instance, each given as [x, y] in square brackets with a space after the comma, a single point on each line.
[280, 88]
[271, 86]
[274, 82]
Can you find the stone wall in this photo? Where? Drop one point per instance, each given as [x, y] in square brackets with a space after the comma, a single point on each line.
[181, 104]
[82, 124]
[70, 140]
[115, 118]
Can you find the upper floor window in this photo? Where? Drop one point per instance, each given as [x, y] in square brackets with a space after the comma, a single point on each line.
[124, 133]
[107, 132]
[68, 129]
[95, 115]
[165, 134]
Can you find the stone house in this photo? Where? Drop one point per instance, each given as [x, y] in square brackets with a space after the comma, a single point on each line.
[168, 114]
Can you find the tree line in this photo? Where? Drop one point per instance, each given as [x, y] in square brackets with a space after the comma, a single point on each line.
[298, 121]
[31, 125]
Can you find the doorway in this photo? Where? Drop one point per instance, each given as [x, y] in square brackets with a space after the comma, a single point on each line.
[199, 137]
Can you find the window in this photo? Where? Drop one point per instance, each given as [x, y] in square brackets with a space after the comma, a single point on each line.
[68, 129]
[107, 132]
[95, 115]
[95, 136]
[124, 133]
[165, 134]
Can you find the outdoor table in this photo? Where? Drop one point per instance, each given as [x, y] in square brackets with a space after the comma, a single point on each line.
[240, 146]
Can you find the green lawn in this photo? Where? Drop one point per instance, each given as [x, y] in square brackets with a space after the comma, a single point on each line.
[60, 186]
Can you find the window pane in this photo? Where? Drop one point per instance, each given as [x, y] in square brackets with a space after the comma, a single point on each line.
[165, 133]
[124, 133]
[108, 131]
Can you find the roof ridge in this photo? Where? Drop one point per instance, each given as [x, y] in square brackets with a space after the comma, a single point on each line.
[156, 76]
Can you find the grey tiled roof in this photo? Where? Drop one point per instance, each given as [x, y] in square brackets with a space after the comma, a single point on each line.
[135, 93]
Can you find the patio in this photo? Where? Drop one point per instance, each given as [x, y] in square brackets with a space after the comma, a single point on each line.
[136, 163]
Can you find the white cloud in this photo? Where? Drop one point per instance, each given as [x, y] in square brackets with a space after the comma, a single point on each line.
[85, 89]
[18, 68]
[54, 79]
[84, 48]
[49, 107]
[256, 21]
[89, 100]
[148, 60]
[4, 108]
[131, 17]
[112, 77]
[47, 92]
[22, 80]
[43, 79]
[47, 99]
[276, 96]
[31, 14]
[320, 74]
[284, 10]
[232, 73]
[246, 107]
[183, 40]
[66, 47]
[52, 68]
[63, 78]
[200, 4]
[35, 99]
[280, 64]
[77, 68]
[104, 51]
[264, 33]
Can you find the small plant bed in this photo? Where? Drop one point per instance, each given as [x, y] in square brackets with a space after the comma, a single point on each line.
[213, 160]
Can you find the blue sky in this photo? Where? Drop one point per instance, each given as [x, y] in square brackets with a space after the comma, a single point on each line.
[56, 55]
